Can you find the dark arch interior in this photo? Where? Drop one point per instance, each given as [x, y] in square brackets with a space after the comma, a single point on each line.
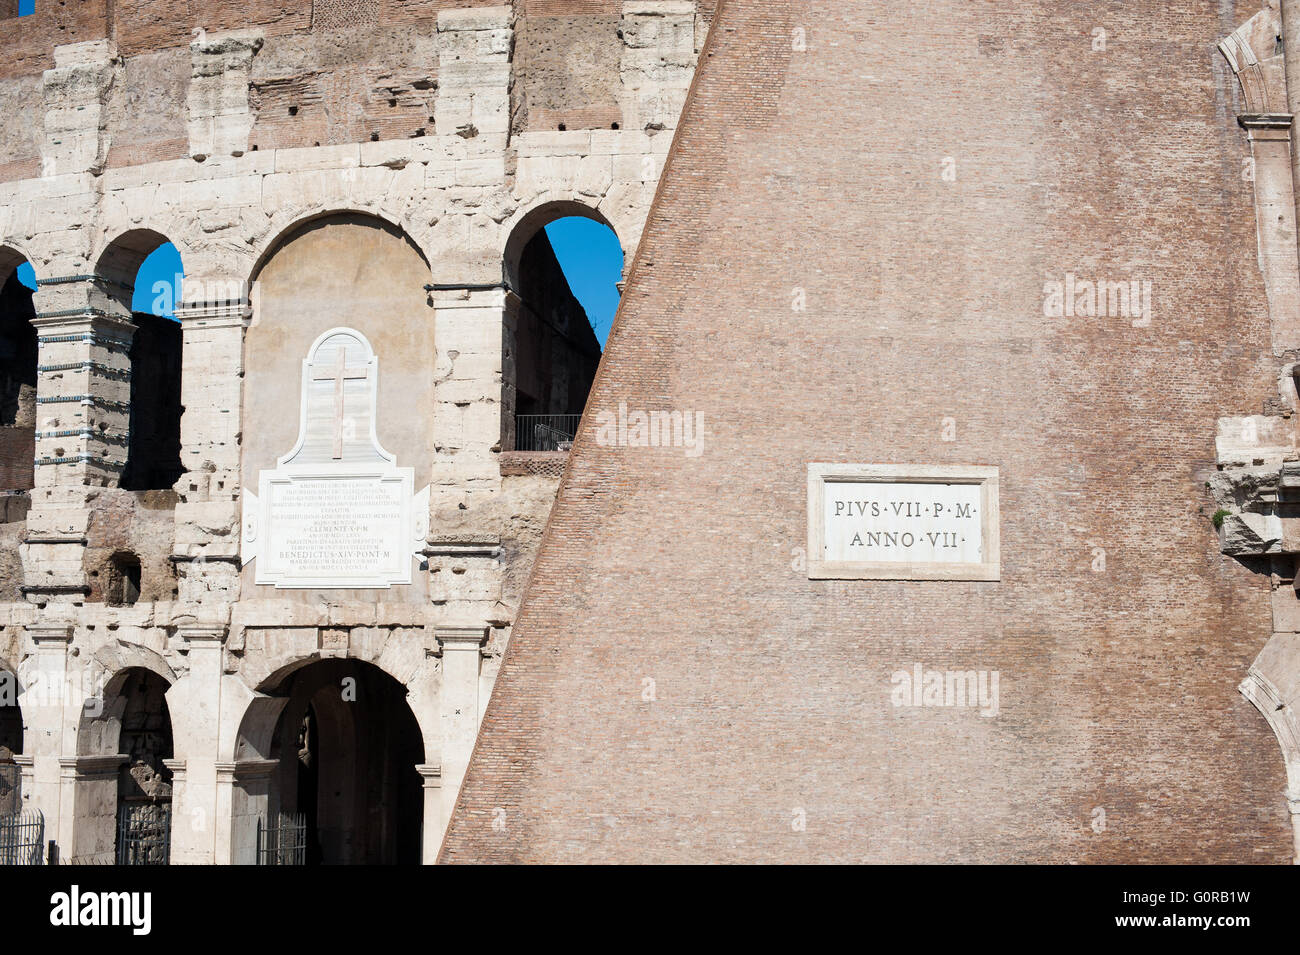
[144, 783]
[11, 745]
[550, 352]
[347, 745]
[18, 361]
[154, 450]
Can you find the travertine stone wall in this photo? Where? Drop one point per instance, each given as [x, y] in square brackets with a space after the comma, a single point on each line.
[227, 133]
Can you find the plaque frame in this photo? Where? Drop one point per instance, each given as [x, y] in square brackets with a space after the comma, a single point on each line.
[295, 466]
[820, 474]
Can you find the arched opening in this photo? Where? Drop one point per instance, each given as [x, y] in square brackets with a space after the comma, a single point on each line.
[18, 361]
[124, 797]
[11, 745]
[143, 271]
[564, 264]
[352, 270]
[347, 746]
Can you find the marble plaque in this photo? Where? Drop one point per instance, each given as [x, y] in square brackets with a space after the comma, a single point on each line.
[337, 511]
[886, 522]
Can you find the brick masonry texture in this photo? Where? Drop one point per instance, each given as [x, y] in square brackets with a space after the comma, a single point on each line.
[822, 170]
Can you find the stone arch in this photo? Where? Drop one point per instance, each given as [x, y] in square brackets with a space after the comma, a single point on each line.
[154, 431]
[11, 256]
[550, 351]
[107, 672]
[124, 743]
[530, 219]
[120, 261]
[285, 225]
[1253, 54]
[342, 269]
[344, 747]
[1272, 685]
[395, 653]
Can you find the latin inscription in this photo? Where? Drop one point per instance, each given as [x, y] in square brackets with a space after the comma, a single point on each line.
[335, 527]
[906, 523]
[903, 522]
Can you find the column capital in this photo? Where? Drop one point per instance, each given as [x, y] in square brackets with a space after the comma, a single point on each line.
[242, 769]
[1266, 127]
[237, 313]
[201, 634]
[50, 636]
[460, 638]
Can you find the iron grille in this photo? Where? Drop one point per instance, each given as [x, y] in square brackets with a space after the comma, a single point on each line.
[144, 833]
[22, 838]
[284, 843]
[545, 432]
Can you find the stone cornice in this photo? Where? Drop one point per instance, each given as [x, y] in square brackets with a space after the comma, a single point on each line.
[91, 767]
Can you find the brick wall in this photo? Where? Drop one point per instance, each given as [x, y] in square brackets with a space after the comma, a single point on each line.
[677, 689]
[17, 452]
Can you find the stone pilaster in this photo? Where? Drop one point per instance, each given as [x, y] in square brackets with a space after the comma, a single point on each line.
[1275, 219]
[243, 800]
[88, 808]
[83, 390]
[467, 416]
[195, 706]
[220, 118]
[435, 820]
[76, 95]
[462, 655]
[658, 62]
[44, 705]
[206, 547]
[474, 49]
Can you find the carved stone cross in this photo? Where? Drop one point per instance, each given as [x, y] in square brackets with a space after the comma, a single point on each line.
[339, 374]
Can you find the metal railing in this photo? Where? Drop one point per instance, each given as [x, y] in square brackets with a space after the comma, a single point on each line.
[545, 432]
[22, 838]
[285, 843]
[144, 833]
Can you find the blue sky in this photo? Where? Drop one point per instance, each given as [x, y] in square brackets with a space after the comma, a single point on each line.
[588, 252]
[592, 261]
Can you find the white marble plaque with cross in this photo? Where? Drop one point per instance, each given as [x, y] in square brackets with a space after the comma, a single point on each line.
[337, 511]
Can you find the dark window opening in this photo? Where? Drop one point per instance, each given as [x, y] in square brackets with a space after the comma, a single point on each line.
[122, 589]
[18, 362]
